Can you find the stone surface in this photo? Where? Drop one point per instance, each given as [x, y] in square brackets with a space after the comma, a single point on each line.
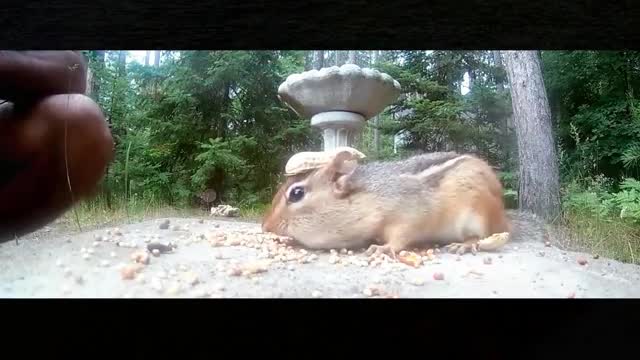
[30, 269]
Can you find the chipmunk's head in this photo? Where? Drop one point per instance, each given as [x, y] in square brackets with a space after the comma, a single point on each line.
[309, 202]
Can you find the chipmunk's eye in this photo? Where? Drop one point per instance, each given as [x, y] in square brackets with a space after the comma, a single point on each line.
[296, 194]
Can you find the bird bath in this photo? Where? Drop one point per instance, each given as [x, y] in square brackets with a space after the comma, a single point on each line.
[339, 100]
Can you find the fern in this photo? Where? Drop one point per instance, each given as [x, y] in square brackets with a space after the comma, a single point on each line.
[631, 157]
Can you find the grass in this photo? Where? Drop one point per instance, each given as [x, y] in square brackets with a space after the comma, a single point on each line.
[606, 236]
[95, 213]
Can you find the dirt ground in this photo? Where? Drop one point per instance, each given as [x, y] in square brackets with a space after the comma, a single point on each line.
[221, 258]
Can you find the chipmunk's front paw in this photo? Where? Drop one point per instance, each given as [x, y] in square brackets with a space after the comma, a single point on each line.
[381, 250]
[464, 247]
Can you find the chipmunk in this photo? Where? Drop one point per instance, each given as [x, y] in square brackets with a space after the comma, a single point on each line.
[442, 198]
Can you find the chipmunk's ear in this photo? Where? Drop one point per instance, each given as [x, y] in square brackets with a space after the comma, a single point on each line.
[340, 170]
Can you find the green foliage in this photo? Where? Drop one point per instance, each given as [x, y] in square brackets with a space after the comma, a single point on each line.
[599, 197]
[203, 119]
[592, 98]
[435, 116]
[603, 217]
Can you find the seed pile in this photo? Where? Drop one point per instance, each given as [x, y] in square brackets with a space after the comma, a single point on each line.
[272, 252]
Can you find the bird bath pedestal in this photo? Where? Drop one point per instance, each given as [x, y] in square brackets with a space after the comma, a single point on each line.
[339, 100]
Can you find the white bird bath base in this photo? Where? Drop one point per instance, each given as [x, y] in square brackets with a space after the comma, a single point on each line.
[339, 128]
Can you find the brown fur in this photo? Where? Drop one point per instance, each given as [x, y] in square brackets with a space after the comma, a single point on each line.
[347, 205]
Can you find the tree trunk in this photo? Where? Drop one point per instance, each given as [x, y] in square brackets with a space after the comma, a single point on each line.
[507, 141]
[308, 60]
[147, 55]
[376, 119]
[352, 57]
[497, 61]
[472, 78]
[157, 59]
[89, 88]
[539, 190]
[122, 62]
[318, 59]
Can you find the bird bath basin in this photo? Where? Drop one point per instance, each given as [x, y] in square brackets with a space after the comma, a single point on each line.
[339, 100]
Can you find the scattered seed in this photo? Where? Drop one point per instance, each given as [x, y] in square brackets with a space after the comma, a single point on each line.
[95, 244]
[129, 272]
[234, 272]
[333, 252]
[79, 280]
[201, 221]
[438, 276]
[86, 256]
[370, 291]
[254, 268]
[582, 261]
[113, 254]
[90, 251]
[216, 225]
[191, 278]
[316, 294]
[83, 250]
[141, 257]
[160, 247]
[410, 258]
[541, 253]
[596, 256]
[547, 244]
[105, 263]
[500, 256]
[350, 252]
[333, 259]
[175, 227]
[458, 258]
[162, 275]
[343, 251]
[183, 268]
[417, 282]
[164, 225]
[291, 268]
[67, 272]
[59, 263]
[487, 260]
